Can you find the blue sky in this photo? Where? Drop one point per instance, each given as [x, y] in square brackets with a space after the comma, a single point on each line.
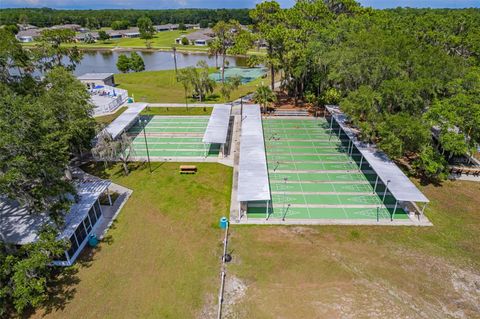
[167, 4]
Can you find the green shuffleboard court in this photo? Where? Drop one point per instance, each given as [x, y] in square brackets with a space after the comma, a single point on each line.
[172, 136]
[312, 175]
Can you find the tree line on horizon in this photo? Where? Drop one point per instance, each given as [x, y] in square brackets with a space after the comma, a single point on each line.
[93, 19]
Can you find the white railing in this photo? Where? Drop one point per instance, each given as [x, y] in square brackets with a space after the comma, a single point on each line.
[116, 98]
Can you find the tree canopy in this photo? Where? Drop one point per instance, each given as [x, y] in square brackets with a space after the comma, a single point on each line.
[46, 17]
[44, 123]
[397, 73]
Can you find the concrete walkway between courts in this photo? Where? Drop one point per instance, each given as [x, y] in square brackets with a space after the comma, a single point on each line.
[235, 150]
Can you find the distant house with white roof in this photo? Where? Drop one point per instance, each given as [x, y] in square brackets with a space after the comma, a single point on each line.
[199, 38]
[95, 79]
[166, 27]
[28, 35]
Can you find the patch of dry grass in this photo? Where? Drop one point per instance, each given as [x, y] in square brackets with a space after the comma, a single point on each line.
[366, 272]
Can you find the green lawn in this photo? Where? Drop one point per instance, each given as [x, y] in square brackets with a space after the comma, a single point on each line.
[162, 257]
[365, 272]
[107, 119]
[161, 40]
[162, 86]
[177, 111]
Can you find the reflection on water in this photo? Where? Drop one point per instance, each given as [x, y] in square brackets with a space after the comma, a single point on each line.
[105, 61]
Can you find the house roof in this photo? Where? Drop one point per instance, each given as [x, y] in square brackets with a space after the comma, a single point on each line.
[29, 33]
[94, 76]
[204, 34]
[66, 26]
[19, 226]
[167, 26]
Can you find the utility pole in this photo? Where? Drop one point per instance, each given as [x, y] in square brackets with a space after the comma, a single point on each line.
[241, 107]
[175, 58]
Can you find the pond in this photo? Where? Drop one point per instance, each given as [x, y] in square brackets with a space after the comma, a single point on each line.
[105, 61]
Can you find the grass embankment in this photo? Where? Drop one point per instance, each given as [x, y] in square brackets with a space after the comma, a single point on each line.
[177, 111]
[107, 119]
[366, 272]
[161, 258]
[162, 87]
[160, 41]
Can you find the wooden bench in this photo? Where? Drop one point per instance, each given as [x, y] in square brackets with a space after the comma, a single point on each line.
[188, 169]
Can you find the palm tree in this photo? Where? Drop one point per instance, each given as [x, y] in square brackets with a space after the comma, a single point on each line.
[264, 96]
[230, 85]
[214, 49]
[186, 77]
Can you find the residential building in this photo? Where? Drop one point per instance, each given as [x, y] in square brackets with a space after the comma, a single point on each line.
[166, 27]
[20, 227]
[95, 79]
[199, 38]
[28, 35]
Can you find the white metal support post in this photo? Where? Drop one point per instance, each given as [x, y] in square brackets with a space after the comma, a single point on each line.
[109, 197]
[423, 208]
[331, 127]
[239, 211]
[385, 192]
[376, 183]
[361, 162]
[266, 212]
[394, 210]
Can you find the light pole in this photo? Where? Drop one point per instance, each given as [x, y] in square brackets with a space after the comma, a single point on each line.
[144, 124]
[175, 58]
[241, 107]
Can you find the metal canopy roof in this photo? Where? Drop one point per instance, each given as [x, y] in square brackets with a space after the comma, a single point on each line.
[94, 76]
[19, 226]
[399, 185]
[253, 174]
[217, 128]
[88, 191]
[124, 121]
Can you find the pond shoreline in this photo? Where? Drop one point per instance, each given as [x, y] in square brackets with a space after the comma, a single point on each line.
[200, 51]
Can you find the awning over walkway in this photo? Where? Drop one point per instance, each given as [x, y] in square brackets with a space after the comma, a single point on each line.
[127, 119]
[253, 173]
[399, 185]
[217, 127]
